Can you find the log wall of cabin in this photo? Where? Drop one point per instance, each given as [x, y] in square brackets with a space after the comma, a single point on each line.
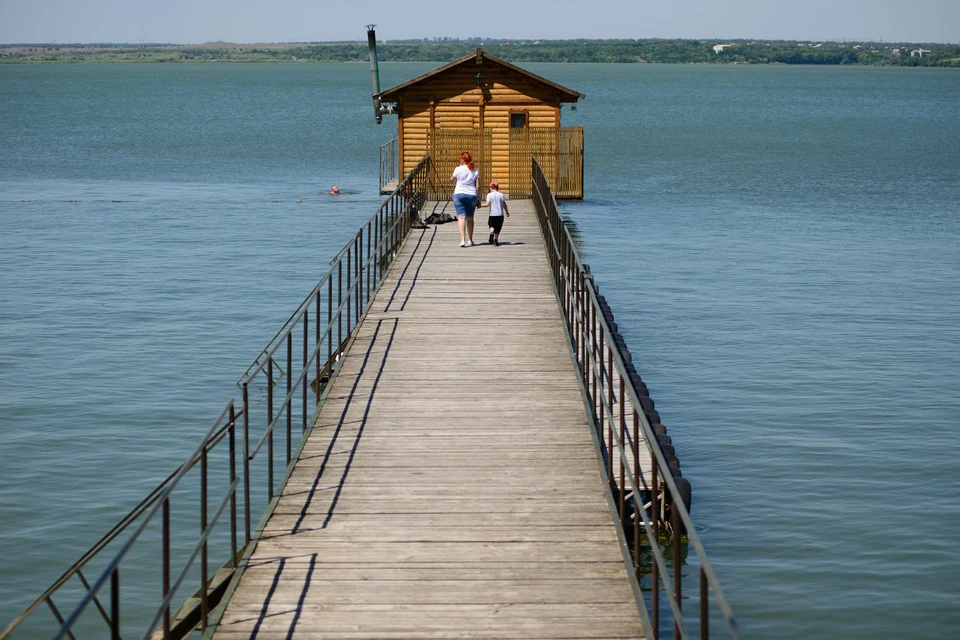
[453, 100]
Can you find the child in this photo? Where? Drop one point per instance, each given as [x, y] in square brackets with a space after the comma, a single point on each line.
[498, 207]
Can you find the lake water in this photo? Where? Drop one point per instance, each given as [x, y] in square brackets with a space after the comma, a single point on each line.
[780, 245]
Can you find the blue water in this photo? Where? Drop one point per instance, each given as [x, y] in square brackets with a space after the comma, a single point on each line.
[779, 246]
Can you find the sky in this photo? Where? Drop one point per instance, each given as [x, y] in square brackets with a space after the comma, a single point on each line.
[251, 21]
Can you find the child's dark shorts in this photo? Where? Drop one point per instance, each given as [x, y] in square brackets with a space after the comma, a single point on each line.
[495, 223]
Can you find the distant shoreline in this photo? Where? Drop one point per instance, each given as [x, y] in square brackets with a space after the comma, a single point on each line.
[446, 50]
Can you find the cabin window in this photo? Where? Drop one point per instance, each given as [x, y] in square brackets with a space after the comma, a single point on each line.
[518, 120]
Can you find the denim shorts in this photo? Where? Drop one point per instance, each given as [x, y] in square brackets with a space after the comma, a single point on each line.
[465, 204]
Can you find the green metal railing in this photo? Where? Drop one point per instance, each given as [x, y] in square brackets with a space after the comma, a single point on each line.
[651, 505]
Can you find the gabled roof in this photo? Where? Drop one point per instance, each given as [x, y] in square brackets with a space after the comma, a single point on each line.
[566, 95]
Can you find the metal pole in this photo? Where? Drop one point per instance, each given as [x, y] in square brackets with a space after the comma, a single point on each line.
[358, 274]
[270, 419]
[115, 605]
[233, 492]
[360, 288]
[318, 346]
[704, 607]
[246, 463]
[204, 557]
[369, 239]
[655, 525]
[304, 385]
[349, 284]
[637, 499]
[330, 320]
[655, 598]
[677, 588]
[593, 372]
[339, 303]
[623, 440]
[165, 559]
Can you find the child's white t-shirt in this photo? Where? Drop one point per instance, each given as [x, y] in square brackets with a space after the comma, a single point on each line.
[495, 199]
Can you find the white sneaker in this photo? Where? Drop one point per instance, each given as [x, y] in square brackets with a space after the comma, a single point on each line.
[472, 244]
[463, 244]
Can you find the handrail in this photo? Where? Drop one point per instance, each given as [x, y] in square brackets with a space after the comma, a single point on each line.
[358, 270]
[613, 391]
[132, 516]
[223, 426]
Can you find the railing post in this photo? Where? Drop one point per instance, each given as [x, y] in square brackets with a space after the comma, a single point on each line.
[369, 290]
[655, 526]
[204, 557]
[637, 499]
[304, 384]
[233, 491]
[358, 275]
[655, 598]
[608, 407]
[330, 320]
[246, 464]
[623, 441]
[584, 299]
[349, 285]
[318, 334]
[677, 573]
[339, 305]
[655, 498]
[165, 560]
[704, 607]
[114, 604]
[593, 371]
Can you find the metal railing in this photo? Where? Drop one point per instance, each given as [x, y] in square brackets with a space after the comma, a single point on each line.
[388, 162]
[304, 354]
[159, 501]
[329, 316]
[651, 504]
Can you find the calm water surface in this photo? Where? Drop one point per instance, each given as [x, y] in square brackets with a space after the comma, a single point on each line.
[779, 245]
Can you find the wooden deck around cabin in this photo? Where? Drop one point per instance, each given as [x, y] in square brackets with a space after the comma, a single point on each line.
[390, 186]
[450, 487]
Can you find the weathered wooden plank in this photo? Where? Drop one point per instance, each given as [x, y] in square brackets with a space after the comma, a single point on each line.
[450, 487]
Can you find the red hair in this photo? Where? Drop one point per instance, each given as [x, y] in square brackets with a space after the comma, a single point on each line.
[466, 157]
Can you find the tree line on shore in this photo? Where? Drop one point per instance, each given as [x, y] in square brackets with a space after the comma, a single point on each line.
[447, 49]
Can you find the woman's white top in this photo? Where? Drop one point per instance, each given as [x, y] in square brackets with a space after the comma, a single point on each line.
[466, 180]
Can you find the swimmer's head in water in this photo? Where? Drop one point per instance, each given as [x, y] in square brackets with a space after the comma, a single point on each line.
[334, 189]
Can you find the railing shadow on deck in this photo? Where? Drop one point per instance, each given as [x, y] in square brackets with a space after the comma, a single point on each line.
[647, 506]
[160, 544]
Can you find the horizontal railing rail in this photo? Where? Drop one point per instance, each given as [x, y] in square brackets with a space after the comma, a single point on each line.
[303, 355]
[653, 503]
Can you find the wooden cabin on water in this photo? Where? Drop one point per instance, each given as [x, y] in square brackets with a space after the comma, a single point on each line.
[498, 112]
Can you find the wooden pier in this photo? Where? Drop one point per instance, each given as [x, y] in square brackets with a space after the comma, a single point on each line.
[481, 451]
[450, 487]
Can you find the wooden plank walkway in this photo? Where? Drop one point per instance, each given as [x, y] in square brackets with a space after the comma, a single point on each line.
[450, 488]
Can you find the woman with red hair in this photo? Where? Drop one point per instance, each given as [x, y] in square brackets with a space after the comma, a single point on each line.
[467, 181]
